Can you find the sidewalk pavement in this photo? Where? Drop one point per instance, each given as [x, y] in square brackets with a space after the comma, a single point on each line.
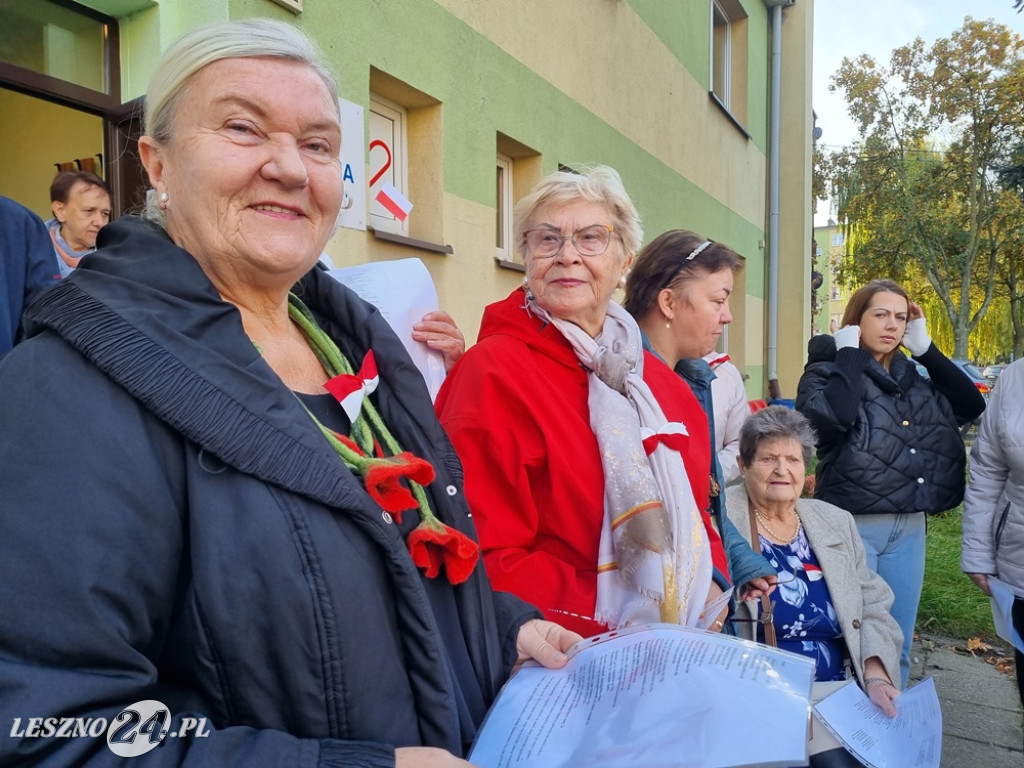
[982, 721]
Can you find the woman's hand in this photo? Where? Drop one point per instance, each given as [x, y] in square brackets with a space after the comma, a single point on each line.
[878, 687]
[545, 642]
[719, 623]
[916, 338]
[427, 757]
[882, 694]
[847, 336]
[756, 588]
[439, 332]
[981, 579]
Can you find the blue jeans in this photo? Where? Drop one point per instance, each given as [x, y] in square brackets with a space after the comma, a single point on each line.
[895, 551]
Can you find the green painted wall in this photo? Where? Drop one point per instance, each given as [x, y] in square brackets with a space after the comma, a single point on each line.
[526, 69]
[683, 28]
[484, 91]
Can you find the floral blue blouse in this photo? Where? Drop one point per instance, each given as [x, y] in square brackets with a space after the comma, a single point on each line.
[805, 619]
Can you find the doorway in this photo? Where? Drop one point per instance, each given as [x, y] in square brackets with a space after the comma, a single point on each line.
[60, 106]
[41, 138]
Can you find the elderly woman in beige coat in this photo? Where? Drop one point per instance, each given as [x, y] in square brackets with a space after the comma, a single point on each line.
[828, 606]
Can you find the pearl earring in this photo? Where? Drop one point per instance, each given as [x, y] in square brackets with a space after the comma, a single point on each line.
[164, 197]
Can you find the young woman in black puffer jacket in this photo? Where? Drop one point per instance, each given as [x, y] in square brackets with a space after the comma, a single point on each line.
[890, 448]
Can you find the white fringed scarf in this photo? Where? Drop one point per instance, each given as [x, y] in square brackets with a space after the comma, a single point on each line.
[655, 559]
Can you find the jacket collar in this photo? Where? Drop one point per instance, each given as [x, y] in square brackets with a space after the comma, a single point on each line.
[144, 313]
[511, 317]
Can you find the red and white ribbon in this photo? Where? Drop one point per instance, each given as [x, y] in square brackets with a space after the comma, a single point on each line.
[672, 435]
[717, 361]
[349, 390]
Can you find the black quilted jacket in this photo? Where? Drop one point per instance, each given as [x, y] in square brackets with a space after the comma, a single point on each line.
[888, 442]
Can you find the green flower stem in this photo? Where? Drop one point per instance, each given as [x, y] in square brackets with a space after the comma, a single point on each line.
[335, 363]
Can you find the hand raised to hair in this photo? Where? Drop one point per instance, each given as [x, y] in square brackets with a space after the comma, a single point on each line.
[847, 336]
[916, 338]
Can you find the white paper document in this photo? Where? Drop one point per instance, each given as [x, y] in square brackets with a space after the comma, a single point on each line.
[912, 739]
[404, 292]
[656, 696]
[1002, 603]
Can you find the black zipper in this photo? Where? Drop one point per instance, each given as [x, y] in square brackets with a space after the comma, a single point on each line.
[1002, 523]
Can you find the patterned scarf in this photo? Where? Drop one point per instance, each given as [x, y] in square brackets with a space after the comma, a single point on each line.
[654, 559]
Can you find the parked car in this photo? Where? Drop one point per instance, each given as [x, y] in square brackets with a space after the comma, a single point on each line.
[972, 372]
[991, 372]
[968, 368]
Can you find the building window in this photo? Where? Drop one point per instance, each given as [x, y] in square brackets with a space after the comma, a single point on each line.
[838, 239]
[61, 41]
[720, 54]
[503, 210]
[388, 162]
[414, 161]
[518, 170]
[729, 57]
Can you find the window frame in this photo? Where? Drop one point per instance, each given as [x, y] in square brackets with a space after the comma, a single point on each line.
[398, 115]
[729, 60]
[721, 51]
[505, 249]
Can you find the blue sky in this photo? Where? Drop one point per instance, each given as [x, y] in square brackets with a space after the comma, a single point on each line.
[876, 27]
[848, 28]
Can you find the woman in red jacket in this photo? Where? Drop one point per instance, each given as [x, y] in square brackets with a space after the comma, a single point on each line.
[587, 460]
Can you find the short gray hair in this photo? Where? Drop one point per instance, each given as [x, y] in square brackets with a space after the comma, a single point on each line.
[774, 422]
[599, 184]
[206, 44]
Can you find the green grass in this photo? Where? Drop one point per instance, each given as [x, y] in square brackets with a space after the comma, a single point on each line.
[950, 603]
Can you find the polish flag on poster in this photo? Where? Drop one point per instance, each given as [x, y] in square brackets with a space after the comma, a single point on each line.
[397, 203]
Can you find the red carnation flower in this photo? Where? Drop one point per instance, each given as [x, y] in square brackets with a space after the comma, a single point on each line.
[433, 544]
[383, 481]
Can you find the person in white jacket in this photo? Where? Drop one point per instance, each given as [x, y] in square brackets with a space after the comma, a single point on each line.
[729, 398]
[993, 519]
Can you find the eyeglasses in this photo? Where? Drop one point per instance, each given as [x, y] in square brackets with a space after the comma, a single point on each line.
[546, 242]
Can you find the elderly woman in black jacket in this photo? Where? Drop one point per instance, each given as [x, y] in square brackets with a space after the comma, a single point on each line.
[232, 526]
[889, 449]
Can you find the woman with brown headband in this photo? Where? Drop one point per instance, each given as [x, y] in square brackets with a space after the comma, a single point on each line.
[678, 291]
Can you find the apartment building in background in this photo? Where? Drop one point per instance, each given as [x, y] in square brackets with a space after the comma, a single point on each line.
[462, 106]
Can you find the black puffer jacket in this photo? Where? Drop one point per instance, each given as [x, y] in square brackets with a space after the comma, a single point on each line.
[888, 442]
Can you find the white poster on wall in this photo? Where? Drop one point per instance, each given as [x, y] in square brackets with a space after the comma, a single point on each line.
[353, 165]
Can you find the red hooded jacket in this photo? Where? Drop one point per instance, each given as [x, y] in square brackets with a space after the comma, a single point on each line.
[515, 406]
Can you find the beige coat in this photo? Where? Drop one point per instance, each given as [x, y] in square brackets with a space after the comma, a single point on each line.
[860, 596]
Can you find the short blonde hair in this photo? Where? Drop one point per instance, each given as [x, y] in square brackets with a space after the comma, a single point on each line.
[206, 44]
[599, 184]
